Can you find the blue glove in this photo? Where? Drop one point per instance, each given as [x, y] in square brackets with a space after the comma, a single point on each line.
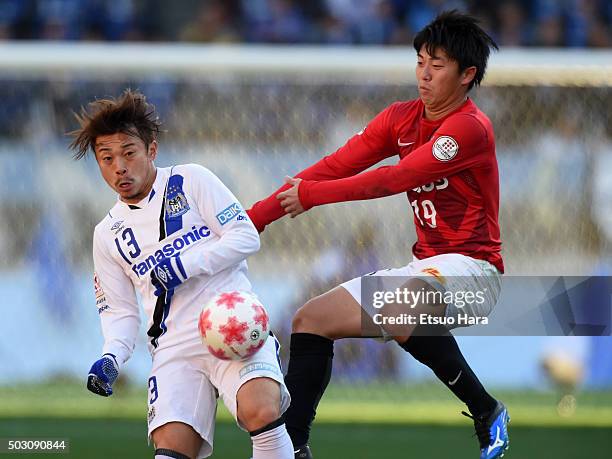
[102, 375]
[168, 274]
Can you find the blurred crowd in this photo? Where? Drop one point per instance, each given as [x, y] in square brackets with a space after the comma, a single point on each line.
[553, 142]
[549, 23]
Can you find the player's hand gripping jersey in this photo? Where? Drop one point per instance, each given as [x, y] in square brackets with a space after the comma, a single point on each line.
[188, 213]
[447, 168]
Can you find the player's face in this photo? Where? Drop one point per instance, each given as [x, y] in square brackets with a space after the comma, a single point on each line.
[439, 81]
[127, 165]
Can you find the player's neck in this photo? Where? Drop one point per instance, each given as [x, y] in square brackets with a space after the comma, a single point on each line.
[433, 113]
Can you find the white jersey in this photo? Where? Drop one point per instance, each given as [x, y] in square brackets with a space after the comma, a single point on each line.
[188, 212]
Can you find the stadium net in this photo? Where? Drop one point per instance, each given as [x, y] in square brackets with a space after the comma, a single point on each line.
[255, 114]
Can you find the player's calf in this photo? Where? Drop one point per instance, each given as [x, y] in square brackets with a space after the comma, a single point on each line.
[303, 452]
[435, 347]
[330, 316]
[272, 441]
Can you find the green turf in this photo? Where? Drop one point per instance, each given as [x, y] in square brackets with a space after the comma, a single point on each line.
[354, 421]
[98, 438]
[372, 403]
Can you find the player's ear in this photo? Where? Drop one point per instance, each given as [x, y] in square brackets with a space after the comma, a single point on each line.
[468, 75]
[153, 150]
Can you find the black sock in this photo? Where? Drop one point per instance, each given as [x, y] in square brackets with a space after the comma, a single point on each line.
[437, 348]
[310, 365]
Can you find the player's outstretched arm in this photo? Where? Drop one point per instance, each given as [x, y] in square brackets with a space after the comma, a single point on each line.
[290, 199]
[119, 315]
[462, 135]
[361, 151]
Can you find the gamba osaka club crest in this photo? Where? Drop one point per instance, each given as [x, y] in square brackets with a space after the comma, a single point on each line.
[176, 202]
[176, 205]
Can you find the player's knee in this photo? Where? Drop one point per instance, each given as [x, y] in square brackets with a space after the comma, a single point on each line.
[254, 416]
[304, 320]
[297, 323]
[177, 437]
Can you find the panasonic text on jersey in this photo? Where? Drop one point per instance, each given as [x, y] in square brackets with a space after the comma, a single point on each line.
[171, 248]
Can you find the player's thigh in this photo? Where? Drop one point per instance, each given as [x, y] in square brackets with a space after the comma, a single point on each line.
[180, 392]
[258, 403]
[422, 306]
[335, 314]
[178, 437]
[393, 300]
[472, 286]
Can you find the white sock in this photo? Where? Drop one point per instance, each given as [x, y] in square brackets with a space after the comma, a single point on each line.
[273, 444]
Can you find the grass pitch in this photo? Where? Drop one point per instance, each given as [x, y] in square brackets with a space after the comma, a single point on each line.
[125, 438]
[378, 421]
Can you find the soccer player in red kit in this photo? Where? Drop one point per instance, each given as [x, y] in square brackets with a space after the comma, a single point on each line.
[448, 169]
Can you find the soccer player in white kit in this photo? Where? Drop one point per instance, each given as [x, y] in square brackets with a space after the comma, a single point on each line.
[176, 236]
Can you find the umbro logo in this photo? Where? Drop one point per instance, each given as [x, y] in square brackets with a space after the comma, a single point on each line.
[162, 275]
[117, 227]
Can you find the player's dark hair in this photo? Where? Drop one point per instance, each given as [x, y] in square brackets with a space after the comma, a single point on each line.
[130, 114]
[460, 36]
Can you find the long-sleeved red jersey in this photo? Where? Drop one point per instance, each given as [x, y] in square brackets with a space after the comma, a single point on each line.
[447, 168]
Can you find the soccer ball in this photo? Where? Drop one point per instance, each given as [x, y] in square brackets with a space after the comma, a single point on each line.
[234, 325]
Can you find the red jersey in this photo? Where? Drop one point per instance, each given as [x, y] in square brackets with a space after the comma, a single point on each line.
[447, 168]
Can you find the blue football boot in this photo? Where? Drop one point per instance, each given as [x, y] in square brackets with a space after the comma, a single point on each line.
[492, 432]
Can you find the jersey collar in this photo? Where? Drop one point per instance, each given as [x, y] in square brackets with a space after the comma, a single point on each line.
[465, 106]
[158, 184]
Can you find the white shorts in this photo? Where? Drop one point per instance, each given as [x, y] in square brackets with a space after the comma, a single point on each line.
[453, 273]
[186, 381]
